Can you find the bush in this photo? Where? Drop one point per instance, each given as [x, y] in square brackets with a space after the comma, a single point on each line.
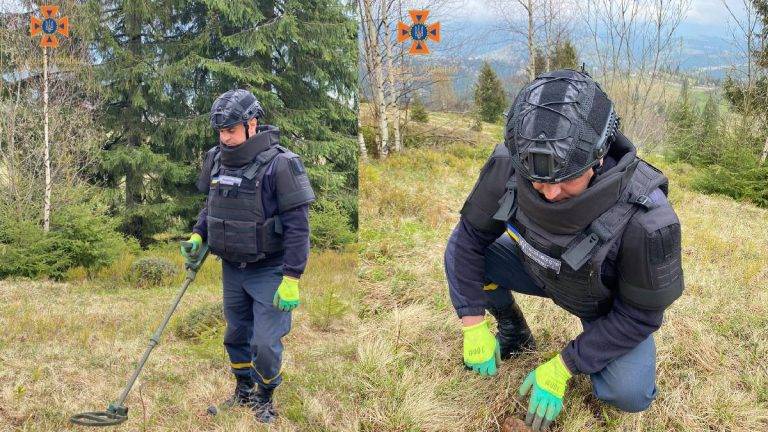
[152, 271]
[89, 240]
[476, 123]
[419, 111]
[25, 250]
[200, 321]
[748, 184]
[77, 238]
[369, 135]
[330, 228]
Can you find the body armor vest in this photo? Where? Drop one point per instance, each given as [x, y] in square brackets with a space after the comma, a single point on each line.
[238, 229]
[569, 264]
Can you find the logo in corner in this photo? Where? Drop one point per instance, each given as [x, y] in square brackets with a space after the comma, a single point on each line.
[418, 32]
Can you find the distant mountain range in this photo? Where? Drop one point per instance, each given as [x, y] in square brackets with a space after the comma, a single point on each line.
[704, 50]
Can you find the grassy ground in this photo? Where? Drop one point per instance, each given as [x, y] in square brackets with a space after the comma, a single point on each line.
[711, 348]
[382, 352]
[69, 347]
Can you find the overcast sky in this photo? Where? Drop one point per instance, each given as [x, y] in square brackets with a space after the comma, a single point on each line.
[702, 12]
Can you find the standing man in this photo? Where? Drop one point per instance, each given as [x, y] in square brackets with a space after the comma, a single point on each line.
[565, 209]
[256, 219]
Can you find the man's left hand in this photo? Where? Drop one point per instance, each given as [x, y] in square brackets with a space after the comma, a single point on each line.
[287, 296]
[549, 382]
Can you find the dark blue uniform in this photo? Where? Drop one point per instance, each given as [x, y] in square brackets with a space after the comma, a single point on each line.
[617, 349]
[254, 326]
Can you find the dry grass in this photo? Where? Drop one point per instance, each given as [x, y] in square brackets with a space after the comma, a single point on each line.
[711, 349]
[70, 347]
[378, 347]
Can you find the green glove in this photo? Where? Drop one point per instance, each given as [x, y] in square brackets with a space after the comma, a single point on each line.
[190, 255]
[287, 296]
[481, 350]
[548, 381]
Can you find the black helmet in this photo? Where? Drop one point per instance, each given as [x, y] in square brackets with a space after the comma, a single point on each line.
[235, 106]
[559, 126]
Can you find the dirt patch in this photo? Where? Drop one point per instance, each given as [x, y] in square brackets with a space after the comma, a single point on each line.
[514, 424]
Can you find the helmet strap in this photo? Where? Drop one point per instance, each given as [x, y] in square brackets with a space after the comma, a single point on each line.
[245, 125]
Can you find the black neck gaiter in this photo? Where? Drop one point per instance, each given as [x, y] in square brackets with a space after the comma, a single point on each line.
[236, 157]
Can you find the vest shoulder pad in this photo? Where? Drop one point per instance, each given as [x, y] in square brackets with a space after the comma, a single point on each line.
[650, 177]
[483, 202]
[292, 182]
[649, 260]
[204, 179]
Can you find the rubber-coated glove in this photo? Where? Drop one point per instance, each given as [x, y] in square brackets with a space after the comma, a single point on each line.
[548, 382]
[287, 296]
[481, 350]
[190, 256]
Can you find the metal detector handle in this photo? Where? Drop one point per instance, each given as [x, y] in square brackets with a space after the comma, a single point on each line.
[155, 339]
[201, 255]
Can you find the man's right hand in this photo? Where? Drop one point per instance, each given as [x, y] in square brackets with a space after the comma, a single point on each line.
[190, 255]
[481, 350]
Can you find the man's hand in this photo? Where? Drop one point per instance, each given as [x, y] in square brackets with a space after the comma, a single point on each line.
[190, 255]
[287, 296]
[481, 350]
[548, 382]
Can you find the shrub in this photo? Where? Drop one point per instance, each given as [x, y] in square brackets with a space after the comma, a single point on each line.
[476, 123]
[25, 250]
[419, 111]
[329, 226]
[77, 238]
[369, 135]
[152, 271]
[200, 321]
[747, 184]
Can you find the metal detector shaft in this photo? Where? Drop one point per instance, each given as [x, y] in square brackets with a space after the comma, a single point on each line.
[117, 413]
[155, 339]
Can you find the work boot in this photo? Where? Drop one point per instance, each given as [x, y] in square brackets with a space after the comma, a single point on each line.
[513, 334]
[243, 396]
[263, 408]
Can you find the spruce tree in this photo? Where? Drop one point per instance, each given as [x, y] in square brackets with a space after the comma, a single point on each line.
[163, 63]
[684, 120]
[708, 133]
[565, 56]
[419, 111]
[490, 98]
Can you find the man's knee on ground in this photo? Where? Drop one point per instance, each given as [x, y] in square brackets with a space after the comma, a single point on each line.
[629, 398]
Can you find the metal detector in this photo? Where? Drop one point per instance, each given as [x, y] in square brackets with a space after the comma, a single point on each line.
[117, 412]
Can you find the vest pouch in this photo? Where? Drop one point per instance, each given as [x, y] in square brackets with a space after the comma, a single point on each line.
[240, 203]
[216, 233]
[271, 236]
[241, 237]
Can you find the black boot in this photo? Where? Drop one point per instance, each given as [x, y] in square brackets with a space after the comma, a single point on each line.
[514, 335]
[262, 406]
[243, 395]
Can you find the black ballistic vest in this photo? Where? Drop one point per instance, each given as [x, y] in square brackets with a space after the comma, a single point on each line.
[566, 254]
[238, 229]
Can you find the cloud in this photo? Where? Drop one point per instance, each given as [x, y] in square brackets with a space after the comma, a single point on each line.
[711, 11]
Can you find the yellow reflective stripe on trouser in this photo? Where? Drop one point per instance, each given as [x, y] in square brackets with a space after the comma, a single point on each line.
[490, 287]
[267, 381]
[242, 365]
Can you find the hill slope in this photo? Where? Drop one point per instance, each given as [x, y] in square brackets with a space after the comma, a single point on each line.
[711, 348]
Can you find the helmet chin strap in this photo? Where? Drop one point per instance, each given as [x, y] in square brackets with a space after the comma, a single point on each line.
[245, 125]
